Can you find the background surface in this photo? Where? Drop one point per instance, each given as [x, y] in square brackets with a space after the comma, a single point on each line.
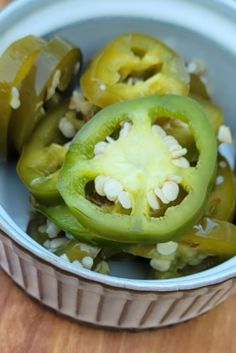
[28, 327]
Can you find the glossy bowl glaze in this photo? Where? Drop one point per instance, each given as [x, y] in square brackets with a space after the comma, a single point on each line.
[196, 29]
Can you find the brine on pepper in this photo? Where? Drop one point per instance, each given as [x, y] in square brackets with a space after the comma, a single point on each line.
[134, 65]
[127, 180]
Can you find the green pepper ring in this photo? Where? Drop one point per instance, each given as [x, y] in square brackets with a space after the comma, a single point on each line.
[79, 168]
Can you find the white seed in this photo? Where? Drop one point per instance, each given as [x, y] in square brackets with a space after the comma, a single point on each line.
[219, 179]
[69, 236]
[222, 164]
[196, 66]
[15, 98]
[67, 128]
[55, 243]
[35, 181]
[157, 130]
[99, 183]
[179, 153]
[204, 80]
[79, 103]
[54, 84]
[65, 257]
[178, 179]
[67, 144]
[100, 147]
[133, 80]
[42, 228]
[224, 134]
[170, 141]
[110, 139]
[47, 244]
[152, 200]
[77, 264]
[181, 162]
[91, 250]
[126, 127]
[167, 248]
[130, 81]
[160, 264]
[77, 67]
[161, 196]
[42, 111]
[87, 262]
[125, 200]
[170, 190]
[52, 230]
[173, 148]
[112, 188]
[181, 123]
[196, 261]
[102, 87]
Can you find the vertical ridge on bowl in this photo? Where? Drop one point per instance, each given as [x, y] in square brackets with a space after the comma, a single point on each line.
[89, 302]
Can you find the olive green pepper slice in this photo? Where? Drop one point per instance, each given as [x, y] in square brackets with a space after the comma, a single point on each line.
[55, 69]
[15, 64]
[140, 162]
[134, 65]
[75, 250]
[175, 272]
[36, 221]
[221, 201]
[214, 236]
[44, 154]
[61, 215]
[198, 87]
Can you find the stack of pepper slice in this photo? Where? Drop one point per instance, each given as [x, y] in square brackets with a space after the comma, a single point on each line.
[31, 72]
[140, 178]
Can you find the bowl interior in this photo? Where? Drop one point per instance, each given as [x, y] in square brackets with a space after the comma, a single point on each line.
[221, 67]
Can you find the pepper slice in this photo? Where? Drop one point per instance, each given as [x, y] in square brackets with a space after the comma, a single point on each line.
[221, 201]
[134, 65]
[220, 206]
[44, 154]
[55, 68]
[140, 162]
[212, 235]
[15, 64]
[61, 215]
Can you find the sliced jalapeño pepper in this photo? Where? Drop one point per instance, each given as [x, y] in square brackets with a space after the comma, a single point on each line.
[215, 236]
[61, 215]
[198, 87]
[221, 201]
[116, 188]
[43, 155]
[134, 65]
[15, 64]
[220, 206]
[55, 69]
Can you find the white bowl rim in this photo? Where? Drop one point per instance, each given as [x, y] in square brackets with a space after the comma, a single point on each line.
[212, 276]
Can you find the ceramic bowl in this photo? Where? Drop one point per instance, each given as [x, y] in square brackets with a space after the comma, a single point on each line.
[197, 29]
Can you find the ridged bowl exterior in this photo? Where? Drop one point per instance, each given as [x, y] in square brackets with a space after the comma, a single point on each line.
[93, 303]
